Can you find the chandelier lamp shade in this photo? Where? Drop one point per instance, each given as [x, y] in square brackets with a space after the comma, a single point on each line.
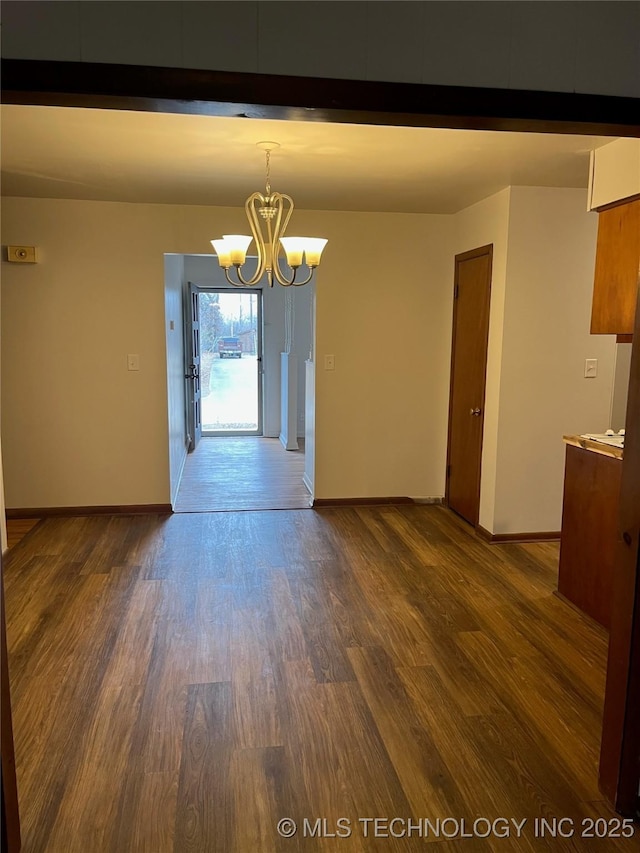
[268, 216]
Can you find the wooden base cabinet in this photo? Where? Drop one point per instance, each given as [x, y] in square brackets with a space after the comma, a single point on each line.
[589, 530]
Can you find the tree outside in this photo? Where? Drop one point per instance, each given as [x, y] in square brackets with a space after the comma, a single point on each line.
[212, 323]
[235, 316]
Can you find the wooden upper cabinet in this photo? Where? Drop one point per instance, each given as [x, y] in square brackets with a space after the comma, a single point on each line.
[615, 287]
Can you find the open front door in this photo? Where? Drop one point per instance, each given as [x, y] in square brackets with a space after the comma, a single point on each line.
[192, 368]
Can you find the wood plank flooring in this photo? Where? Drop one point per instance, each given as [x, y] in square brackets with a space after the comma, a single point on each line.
[184, 683]
[240, 473]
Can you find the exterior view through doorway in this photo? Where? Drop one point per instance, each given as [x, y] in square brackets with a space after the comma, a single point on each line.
[231, 465]
[230, 362]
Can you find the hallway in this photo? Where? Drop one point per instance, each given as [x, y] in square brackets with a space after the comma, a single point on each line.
[242, 473]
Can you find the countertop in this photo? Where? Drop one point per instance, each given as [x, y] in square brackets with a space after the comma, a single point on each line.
[595, 446]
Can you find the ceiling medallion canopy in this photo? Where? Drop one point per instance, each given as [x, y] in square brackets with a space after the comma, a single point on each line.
[268, 216]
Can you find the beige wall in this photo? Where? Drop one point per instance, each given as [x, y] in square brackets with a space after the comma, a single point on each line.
[484, 223]
[79, 429]
[543, 392]
[383, 303]
[310, 426]
[620, 387]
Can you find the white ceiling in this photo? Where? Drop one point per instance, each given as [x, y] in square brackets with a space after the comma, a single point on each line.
[59, 152]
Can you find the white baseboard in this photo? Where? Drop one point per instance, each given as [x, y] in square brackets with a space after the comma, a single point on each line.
[174, 497]
[283, 442]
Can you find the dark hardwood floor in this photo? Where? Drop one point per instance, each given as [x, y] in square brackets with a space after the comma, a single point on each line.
[242, 472]
[183, 683]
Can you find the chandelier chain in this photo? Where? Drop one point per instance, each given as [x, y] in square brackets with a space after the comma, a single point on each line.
[268, 187]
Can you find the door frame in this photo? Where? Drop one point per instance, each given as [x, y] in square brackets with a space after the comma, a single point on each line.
[215, 288]
[458, 259]
[192, 372]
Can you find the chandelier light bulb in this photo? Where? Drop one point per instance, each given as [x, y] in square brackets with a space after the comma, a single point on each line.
[223, 252]
[313, 249]
[238, 245]
[293, 249]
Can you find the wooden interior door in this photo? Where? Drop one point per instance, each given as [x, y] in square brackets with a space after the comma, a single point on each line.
[192, 368]
[472, 291]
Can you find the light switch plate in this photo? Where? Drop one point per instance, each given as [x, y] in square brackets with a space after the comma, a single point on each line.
[133, 362]
[590, 368]
[329, 362]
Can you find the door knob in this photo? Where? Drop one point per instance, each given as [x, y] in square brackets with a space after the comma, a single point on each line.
[475, 412]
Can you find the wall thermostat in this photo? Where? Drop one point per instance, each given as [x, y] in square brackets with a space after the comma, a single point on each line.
[21, 254]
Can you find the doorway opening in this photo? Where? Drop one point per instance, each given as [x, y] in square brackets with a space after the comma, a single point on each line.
[230, 362]
[233, 393]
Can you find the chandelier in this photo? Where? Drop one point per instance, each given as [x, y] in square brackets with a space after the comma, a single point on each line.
[268, 216]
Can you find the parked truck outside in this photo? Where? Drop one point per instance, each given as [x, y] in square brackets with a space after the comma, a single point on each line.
[230, 348]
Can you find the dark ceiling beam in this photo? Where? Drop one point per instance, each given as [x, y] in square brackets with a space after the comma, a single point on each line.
[267, 96]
